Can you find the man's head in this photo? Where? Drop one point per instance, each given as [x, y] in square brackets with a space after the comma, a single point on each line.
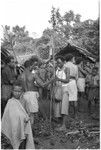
[17, 90]
[70, 57]
[60, 61]
[27, 64]
[79, 61]
[94, 71]
[10, 61]
[35, 65]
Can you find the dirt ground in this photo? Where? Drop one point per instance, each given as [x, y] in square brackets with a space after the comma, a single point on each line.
[59, 140]
[46, 137]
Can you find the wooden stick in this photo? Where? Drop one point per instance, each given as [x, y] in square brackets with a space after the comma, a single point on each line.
[72, 132]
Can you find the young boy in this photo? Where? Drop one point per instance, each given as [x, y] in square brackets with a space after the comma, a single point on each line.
[80, 81]
[15, 121]
[93, 83]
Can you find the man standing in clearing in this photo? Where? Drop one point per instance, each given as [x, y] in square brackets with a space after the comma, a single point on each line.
[72, 85]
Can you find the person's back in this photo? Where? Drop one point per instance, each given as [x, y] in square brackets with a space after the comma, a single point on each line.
[73, 69]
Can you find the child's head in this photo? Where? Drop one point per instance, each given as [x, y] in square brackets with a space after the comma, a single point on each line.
[94, 71]
[17, 90]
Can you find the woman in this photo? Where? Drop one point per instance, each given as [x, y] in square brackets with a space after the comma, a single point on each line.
[61, 107]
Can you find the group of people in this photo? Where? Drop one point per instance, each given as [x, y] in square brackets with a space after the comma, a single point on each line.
[21, 94]
[72, 79]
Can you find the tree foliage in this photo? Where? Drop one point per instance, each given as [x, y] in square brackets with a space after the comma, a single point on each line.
[67, 28]
[83, 34]
[17, 40]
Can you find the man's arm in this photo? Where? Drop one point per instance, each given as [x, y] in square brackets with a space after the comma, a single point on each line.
[67, 72]
[9, 76]
[83, 71]
[41, 83]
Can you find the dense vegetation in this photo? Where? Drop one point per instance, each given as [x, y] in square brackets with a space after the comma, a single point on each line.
[65, 29]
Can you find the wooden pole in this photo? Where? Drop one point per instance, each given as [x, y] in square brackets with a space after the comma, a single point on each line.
[52, 90]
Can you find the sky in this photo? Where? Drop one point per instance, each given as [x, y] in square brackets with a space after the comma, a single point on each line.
[34, 14]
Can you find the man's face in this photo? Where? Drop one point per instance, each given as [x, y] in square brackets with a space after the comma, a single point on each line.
[35, 64]
[17, 91]
[12, 63]
[73, 60]
[59, 63]
[94, 72]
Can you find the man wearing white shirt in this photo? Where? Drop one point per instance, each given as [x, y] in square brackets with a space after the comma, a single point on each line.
[72, 86]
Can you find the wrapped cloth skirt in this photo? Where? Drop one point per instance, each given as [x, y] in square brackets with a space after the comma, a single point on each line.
[72, 90]
[81, 84]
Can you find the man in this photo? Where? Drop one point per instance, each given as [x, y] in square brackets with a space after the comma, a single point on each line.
[81, 81]
[31, 83]
[15, 121]
[93, 94]
[8, 79]
[72, 87]
[61, 107]
[44, 79]
[31, 90]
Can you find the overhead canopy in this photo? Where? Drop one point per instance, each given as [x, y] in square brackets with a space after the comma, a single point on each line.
[76, 51]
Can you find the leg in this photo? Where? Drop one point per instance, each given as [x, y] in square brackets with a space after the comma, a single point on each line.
[64, 110]
[32, 119]
[89, 106]
[75, 109]
[79, 98]
[23, 144]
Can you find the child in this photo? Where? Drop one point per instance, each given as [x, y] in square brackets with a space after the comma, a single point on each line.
[80, 81]
[15, 121]
[93, 94]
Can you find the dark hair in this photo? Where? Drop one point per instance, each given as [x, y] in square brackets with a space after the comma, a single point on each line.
[59, 57]
[78, 60]
[69, 57]
[27, 64]
[17, 83]
[33, 59]
[95, 68]
[8, 59]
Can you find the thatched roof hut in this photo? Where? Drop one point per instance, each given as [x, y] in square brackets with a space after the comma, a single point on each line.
[76, 51]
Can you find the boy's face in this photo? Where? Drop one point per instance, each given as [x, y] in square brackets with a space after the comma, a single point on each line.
[17, 91]
[94, 72]
[12, 63]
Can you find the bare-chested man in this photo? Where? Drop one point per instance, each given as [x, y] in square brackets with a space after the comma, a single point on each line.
[31, 83]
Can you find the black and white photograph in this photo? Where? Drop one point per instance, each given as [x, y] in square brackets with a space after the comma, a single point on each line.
[50, 74]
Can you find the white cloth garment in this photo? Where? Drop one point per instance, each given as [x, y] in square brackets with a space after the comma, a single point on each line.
[31, 97]
[62, 106]
[81, 84]
[61, 74]
[72, 85]
[72, 89]
[14, 125]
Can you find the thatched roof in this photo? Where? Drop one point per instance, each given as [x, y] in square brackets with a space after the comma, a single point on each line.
[77, 51]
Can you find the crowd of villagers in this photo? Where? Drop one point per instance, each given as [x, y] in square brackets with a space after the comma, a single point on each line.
[22, 93]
